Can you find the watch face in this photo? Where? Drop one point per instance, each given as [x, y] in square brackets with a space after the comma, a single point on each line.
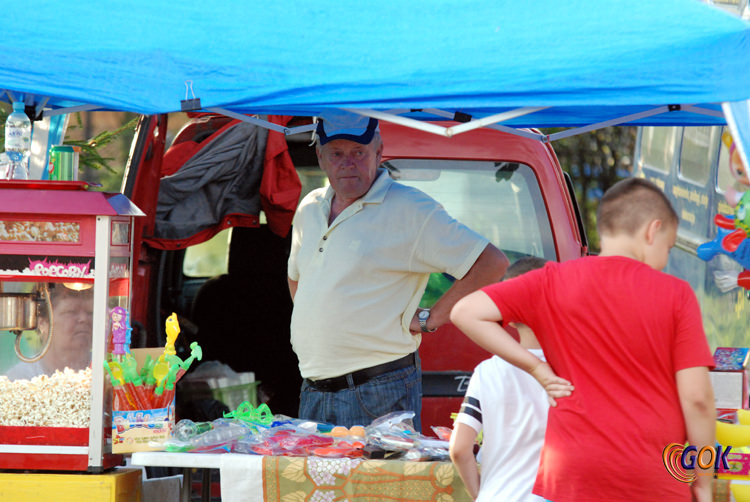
[424, 314]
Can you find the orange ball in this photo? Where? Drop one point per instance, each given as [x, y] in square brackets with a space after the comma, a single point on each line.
[339, 431]
[357, 431]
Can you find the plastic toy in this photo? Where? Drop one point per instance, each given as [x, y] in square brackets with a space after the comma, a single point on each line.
[195, 353]
[126, 402]
[172, 327]
[731, 239]
[120, 331]
[254, 416]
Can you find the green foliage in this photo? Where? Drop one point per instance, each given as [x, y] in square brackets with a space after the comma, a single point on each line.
[91, 149]
[92, 158]
[595, 161]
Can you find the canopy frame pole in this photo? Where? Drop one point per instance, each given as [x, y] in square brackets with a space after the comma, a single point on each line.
[492, 119]
[507, 129]
[263, 123]
[616, 121]
[703, 111]
[39, 109]
[10, 94]
[302, 128]
[251, 119]
[397, 119]
[71, 109]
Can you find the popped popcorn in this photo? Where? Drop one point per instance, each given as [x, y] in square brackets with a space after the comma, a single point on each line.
[40, 231]
[60, 400]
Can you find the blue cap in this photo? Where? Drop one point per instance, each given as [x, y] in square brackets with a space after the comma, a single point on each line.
[339, 124]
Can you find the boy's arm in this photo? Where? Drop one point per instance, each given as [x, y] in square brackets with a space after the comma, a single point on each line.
[699, 410]
[462, 455]
[477, 316]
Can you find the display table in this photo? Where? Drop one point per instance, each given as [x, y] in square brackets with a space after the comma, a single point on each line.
[253, 478]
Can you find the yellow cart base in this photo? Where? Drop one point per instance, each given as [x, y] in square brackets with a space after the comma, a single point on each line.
[121, 485]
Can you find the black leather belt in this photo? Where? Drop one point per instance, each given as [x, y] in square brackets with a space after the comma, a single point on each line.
[362, 376]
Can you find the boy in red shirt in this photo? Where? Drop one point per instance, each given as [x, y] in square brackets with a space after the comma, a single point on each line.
[628, 360]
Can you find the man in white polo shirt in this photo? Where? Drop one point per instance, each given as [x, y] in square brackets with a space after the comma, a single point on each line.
[362, 252]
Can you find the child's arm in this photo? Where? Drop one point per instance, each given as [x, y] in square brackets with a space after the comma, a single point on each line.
[699, 411]
[462, 455]
[478, 317]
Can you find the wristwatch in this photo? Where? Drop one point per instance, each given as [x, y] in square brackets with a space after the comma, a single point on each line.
[423, 315]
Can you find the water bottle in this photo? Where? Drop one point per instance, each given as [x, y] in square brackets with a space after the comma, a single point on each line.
[18, 140]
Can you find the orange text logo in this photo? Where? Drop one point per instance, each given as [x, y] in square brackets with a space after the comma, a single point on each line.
[683, 461]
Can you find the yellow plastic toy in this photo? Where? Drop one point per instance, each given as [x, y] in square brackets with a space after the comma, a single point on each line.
[740, 492]
[172, 327]
[734, 435]
[737, 436]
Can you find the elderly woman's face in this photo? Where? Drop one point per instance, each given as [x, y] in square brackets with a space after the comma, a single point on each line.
[71, 339]
[351, 167]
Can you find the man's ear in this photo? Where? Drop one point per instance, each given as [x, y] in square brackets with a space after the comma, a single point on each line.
[652, 229]
[379, 152]
[319, 155]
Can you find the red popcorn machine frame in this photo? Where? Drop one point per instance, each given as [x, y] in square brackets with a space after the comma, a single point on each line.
[61, 235]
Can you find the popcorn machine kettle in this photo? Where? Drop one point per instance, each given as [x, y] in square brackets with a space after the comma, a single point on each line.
[18, 313]
[65, 261]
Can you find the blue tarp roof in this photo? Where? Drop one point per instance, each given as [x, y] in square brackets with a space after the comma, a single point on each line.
[586, 60]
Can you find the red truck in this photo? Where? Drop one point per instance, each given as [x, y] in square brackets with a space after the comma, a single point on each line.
[509, 188]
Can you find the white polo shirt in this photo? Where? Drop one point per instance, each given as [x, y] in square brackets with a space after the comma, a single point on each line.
[360, 279]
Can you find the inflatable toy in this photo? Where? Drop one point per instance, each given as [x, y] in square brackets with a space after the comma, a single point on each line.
[731, 239]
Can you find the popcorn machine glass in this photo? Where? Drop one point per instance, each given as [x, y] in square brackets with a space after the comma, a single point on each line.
[65, 261]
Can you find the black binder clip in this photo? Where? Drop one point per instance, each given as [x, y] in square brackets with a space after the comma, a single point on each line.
[190, 104]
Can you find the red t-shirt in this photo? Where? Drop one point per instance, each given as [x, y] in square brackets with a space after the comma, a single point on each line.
[618, 330]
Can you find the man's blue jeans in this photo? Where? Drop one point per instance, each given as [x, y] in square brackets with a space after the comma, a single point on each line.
[397, 390]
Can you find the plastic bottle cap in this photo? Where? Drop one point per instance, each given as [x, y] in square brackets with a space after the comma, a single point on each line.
[19, 106]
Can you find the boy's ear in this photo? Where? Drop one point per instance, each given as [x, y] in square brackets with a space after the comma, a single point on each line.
[652, 229]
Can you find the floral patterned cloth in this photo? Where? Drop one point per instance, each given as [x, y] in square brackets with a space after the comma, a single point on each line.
[314, 479]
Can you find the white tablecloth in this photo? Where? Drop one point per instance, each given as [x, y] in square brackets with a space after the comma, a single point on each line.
[241, 475]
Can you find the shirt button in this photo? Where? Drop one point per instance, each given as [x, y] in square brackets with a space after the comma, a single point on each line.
[325, 237]
[320, 249]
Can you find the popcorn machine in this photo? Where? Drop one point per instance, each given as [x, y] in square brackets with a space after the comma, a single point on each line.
[65, 261]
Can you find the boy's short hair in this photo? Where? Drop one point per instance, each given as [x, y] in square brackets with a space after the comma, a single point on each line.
[629, 204]
[523, 265]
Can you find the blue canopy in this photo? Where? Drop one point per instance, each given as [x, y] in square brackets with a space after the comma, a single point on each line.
[582, 61]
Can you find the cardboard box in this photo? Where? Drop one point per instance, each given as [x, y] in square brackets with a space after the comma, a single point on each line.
[729, 378]
[142, 430]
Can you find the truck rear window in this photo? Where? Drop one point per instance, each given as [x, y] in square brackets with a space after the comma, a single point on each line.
[500, 200]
